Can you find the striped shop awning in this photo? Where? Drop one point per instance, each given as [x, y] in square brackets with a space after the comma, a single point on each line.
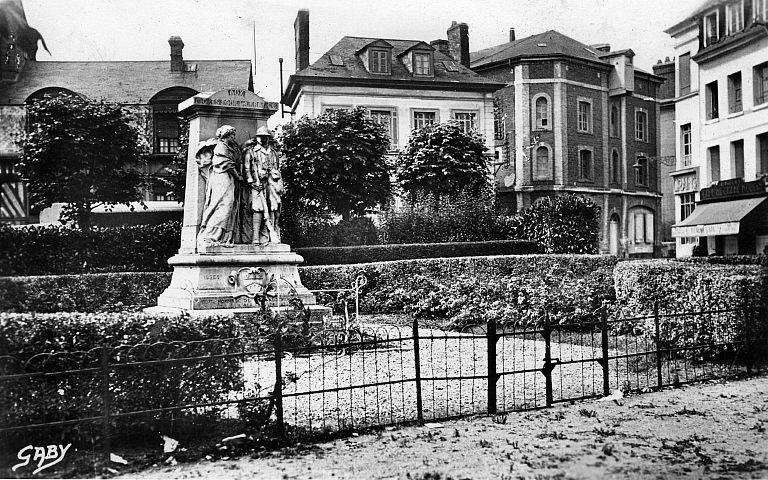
[13, 202]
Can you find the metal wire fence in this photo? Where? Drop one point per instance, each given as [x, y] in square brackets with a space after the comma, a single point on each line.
[301, 383]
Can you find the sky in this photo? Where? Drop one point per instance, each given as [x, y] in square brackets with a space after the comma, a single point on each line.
[221, 29]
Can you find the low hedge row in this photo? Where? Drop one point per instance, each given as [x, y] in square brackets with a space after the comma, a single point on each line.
[693, 286]
[406, 251]
[63, 397]
[56, 250]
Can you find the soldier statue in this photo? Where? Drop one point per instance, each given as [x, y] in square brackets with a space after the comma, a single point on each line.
[262, 173]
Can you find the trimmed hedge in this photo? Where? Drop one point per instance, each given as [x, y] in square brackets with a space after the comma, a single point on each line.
[28, 337]
[58, 250]
[383, 253]
[54, 250]
[691, 286]
[95, 292]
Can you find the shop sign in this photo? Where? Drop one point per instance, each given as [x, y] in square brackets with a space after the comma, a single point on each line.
[711, 230]
[735, 187]
[686, 183]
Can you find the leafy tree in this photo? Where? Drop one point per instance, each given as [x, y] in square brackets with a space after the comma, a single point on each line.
[335, 163]
[561, 224]
[441, 160]
[80, 152]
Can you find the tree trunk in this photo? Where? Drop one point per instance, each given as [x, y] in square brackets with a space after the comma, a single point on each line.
[84, 216]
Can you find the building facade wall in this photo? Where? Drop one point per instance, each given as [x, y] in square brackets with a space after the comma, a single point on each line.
[314, 100]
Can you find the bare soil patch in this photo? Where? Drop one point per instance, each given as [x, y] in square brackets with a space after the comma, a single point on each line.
[710, 430]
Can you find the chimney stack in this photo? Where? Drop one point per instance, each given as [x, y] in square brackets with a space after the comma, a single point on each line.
[301, 30]
[177, 60]
[512, 34]
[458, 42]
[601, 47]
[441, 46]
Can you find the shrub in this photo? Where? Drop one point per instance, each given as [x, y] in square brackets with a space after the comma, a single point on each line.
[78, 340]
[691, 286]
[463, 218]
[318, 231]
[561, 224]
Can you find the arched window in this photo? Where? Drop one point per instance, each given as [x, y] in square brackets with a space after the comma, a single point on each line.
[542, 169]
[615, 168]
[542, 113]
[165, 113]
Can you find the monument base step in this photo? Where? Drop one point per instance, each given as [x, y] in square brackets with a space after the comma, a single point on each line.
[318, 314]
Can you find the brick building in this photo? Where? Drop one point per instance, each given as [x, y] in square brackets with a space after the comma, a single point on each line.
[581, 119]
[150, 90]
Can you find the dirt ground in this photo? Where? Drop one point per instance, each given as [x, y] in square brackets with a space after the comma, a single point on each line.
[712, 430]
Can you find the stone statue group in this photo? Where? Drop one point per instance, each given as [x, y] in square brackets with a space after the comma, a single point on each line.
[243, 189]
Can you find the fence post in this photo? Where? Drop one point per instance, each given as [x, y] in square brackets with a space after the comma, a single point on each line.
[604, 362]
[106, 405]
[748, 340]
[417, 360]
[548, 364]
[492, 337]
[278, 392]
[657, 326]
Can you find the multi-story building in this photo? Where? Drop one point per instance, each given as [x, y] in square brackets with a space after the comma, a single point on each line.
[580, 119]
[721, 122]
[149, 90]
[666, 158]
[403, 83]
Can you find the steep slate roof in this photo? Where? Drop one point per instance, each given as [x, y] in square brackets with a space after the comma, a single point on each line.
[354, 70]
[706, 5]
[548, 44]
[125, 82]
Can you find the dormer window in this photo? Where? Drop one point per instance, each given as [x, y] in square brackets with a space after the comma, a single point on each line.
[379, 61]
[710, 29]
[735, 16]
[422, 63]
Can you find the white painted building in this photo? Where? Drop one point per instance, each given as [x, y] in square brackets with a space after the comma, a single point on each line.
[403, 83]
[721, 122]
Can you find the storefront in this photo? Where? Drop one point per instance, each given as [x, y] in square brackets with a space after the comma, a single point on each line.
[730, 219]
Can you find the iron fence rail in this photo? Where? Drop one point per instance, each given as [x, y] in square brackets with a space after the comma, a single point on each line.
[335, 380]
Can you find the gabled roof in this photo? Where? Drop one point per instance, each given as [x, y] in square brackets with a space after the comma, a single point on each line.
[548, 44]
[128, 82]
[353, 72]
[376, 43]
[418, 45]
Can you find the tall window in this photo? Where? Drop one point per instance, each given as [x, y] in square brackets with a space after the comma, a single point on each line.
[737, 159]
[466, 120]
[734, 92]
[388, 118]
[761, 83]
[761, 10]
[422, 119]
[642, 221]
[585, 117]
[685, 73]
[585, 165]
[735, 17]
[615, 124]
[713, 154]
[641, 125]
[712, 100]
[685, 142]
[762, 153]
[641, 172]
[543, 165]
[615, 168]
[687, 204]
[542, 113]
[379, 61]
[710, 29]
[422, 64]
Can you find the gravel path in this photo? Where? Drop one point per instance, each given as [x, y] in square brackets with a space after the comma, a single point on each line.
[325, 389]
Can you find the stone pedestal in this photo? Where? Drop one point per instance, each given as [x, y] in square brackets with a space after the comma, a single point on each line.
[206, 279]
